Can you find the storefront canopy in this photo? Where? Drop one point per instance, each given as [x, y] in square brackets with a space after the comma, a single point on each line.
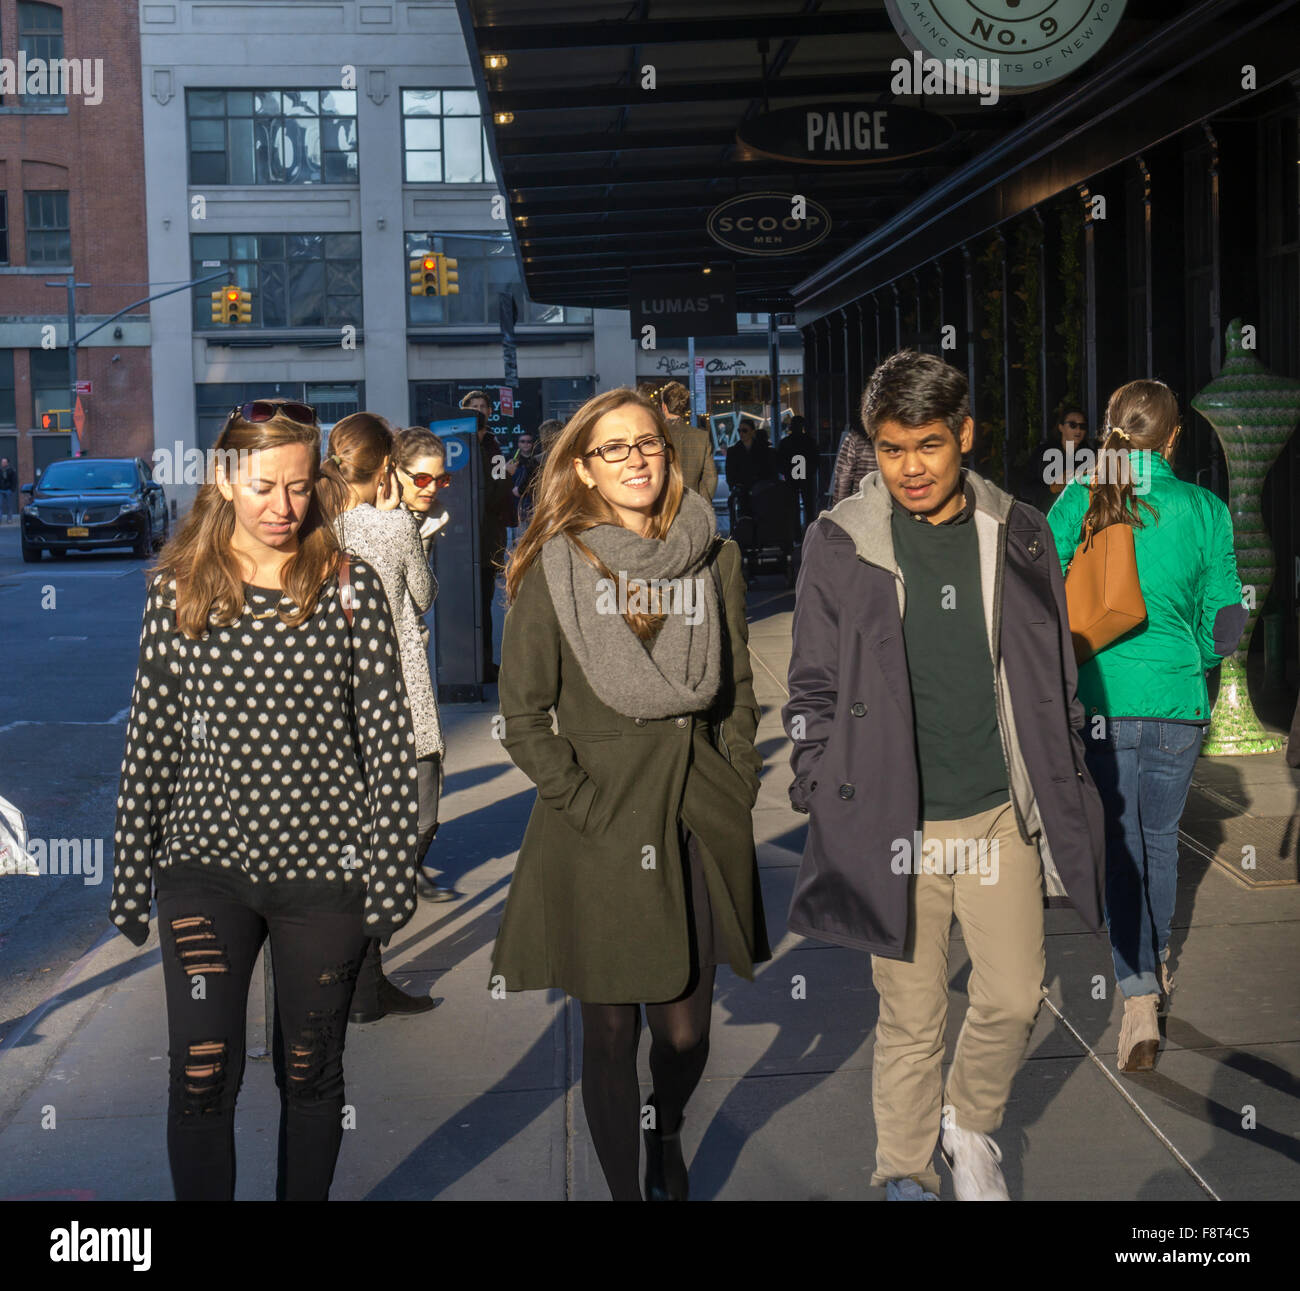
[623, 121]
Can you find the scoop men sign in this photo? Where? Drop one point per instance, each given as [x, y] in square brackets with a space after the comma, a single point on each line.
[844, 134]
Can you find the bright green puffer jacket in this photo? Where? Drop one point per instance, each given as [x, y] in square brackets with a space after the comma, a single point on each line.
[1188, 571]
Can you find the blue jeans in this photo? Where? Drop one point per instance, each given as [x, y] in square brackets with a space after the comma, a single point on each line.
[1143, 770]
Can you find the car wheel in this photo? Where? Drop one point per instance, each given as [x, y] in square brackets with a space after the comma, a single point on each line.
[31, 555]
[143, 548]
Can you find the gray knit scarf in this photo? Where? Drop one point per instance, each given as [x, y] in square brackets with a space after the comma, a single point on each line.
[680, 670]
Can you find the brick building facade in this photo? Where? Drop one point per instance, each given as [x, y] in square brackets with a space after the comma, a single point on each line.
[72, 195]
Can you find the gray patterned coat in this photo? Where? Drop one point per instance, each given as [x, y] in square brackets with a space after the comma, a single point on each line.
[390, 542]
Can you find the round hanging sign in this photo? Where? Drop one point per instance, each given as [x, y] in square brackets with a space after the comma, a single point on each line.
[1024, 44]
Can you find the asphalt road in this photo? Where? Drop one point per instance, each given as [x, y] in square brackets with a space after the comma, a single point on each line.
[69, 633]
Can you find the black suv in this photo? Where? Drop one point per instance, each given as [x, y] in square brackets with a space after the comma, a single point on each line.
[85, 502]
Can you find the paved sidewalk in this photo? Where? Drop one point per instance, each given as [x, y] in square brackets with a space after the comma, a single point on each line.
[479, 1099]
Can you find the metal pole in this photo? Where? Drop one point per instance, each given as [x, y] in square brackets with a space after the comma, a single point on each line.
[690, 379]
[774, 372]
[72, 356]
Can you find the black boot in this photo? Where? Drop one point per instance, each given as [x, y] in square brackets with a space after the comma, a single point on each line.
[393, 999]
[666, 1178]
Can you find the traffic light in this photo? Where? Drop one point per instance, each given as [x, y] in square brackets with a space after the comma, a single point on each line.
[56, 419]
[232, 305]
[424, 274]
[448, 278]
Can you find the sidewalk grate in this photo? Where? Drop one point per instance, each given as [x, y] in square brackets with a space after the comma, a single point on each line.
[1221, 831]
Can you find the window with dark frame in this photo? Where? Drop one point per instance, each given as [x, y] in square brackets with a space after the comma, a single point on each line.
[4, 228]
[213, 401]
[252, 137]
[50, 375]
[49, 236]
[443, 140]
[8, 401]
[297, 279]
[40, 35]
[485, 265]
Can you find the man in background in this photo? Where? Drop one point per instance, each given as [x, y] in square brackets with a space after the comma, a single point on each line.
[1052, 467]
[797, 461]
[8, 491]
[692, 447]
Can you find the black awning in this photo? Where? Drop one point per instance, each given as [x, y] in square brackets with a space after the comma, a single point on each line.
[604, 176]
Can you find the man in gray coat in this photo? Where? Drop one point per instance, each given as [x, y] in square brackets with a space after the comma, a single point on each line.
[937, 753]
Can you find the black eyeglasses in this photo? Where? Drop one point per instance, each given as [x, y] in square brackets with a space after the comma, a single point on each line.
[424, 479]
[1077, 425]
[650, 446]
[256, 410]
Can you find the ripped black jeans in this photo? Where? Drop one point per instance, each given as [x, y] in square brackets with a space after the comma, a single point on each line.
[210, 940]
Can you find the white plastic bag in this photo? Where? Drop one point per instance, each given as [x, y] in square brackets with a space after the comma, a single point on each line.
[14, 858]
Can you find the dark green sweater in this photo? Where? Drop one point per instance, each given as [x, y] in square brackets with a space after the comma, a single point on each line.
[958, 747]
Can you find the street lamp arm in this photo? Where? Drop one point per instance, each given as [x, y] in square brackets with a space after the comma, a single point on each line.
[135, 304]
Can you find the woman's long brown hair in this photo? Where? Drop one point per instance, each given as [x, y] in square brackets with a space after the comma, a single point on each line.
[209, 577]
[1141, 415]
[563, 504]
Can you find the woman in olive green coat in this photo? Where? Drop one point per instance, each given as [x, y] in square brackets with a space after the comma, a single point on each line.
[637, 872]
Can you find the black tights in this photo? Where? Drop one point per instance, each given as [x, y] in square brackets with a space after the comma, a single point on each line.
[611, 1096]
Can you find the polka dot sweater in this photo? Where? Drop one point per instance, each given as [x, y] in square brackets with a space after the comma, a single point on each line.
[281, 757]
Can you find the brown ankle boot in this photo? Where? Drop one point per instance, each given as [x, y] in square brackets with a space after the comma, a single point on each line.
[1139, 1034]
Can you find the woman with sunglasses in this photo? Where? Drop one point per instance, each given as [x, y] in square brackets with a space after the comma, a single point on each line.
[268, 789]
[637, 873]
[387, 537]
[418, 465]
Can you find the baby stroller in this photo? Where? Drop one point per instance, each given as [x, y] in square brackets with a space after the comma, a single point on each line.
[763, 524]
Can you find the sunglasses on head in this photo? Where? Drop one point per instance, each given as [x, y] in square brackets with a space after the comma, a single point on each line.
[424, 479]
[256, 410]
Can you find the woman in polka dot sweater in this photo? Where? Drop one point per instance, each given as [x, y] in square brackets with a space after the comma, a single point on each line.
[268, 789]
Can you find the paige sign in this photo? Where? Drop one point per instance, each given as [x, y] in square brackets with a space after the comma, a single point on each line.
[769, 224]
[844, 134]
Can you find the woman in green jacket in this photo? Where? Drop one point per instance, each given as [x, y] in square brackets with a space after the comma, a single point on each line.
[1145, 695]
[637, 872]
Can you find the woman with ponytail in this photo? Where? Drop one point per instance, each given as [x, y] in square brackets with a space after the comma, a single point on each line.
[387, 537]
[268, 789]
[637, 873]
[1145, 694]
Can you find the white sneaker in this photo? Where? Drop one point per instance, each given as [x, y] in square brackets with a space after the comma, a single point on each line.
[975, 1161]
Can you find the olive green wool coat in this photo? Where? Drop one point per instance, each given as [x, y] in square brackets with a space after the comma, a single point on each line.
[597, 905]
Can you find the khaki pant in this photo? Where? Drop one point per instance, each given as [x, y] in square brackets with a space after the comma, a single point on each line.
[1002, 922]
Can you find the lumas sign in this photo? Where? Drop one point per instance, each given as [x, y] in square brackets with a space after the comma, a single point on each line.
[1034, 42]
